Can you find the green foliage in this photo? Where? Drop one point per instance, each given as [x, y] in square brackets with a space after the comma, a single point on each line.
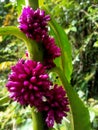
[21, 3]
[62, 41]
[79, 19]
[11, 49]
[77, 107]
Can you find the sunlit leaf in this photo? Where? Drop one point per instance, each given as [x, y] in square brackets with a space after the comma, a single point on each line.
[5, 65]
[66, 55]
[80, 113]
[41, 2]
[20, 4]
[26, 126]
[32, 47]
[96, 44]
[63, 43]
[12, 30]
[4, 100]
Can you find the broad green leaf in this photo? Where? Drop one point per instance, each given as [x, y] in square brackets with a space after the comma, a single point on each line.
[66, 55]
[13, 31]
[20, 4]
[32, 46]
[63, 43]
[80, 113]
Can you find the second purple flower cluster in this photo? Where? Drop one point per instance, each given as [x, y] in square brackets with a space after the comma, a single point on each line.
[29, 84]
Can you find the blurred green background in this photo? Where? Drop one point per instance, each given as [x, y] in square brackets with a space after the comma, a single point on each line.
[79, 19]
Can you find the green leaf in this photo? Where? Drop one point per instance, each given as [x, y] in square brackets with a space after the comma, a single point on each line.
[63, 43]
[31, 3]
[32, 46]
[4, 100]
[95, 44]
[13, 31]
[20, 4]
[80, 113]
[41, 2]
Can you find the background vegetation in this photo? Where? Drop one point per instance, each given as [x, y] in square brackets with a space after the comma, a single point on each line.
[79, 18]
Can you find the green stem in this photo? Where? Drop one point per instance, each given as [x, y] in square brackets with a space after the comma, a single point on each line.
[35, 50]
[37, 120]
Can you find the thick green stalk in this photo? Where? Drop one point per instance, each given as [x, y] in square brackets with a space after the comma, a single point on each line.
[37, 120]
[35, 50]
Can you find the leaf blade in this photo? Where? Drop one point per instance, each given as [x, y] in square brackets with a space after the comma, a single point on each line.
[20, 4]
[63, 43]
[80, 112]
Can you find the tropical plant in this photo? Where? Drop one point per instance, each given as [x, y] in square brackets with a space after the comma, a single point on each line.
[60, 74]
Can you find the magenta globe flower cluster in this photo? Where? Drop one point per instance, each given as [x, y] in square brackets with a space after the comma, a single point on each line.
[29, 84]
[54, 105]
[34, 24]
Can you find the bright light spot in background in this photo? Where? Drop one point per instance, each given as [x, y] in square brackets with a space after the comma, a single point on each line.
[12, 0]
[4, 0]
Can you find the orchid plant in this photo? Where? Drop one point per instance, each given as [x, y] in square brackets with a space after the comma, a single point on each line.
[30, 81]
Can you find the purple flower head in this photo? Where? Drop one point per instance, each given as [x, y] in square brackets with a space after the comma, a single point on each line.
[28, 82]
[34, 23]
[55, 105]
[51, 51]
